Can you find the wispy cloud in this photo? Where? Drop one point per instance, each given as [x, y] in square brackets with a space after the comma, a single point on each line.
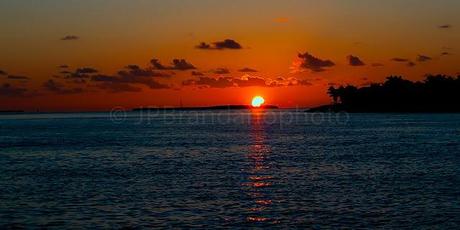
[423, 58]
[70, 38]
[18, 77]
[445, 26]
[247, 70]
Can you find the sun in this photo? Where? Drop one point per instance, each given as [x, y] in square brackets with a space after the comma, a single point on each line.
[257, 101]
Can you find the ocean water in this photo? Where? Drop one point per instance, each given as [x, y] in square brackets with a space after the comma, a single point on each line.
[229, 169]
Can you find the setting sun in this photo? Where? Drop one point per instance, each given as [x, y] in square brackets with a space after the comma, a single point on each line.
[257, 101]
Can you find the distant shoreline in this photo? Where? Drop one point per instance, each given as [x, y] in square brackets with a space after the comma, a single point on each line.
[217, 107]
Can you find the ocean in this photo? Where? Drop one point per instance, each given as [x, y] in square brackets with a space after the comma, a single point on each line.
[229, 169]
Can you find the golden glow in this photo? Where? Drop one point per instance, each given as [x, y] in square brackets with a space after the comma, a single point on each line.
[257, 101]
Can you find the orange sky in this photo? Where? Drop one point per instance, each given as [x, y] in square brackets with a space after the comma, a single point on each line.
[106, 36]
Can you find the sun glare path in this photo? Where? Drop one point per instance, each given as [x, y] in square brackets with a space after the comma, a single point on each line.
[257, 101]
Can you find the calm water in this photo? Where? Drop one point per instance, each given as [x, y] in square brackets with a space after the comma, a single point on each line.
[230, 169]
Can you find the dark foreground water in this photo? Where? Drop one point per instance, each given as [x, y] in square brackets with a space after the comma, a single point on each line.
[230, 169]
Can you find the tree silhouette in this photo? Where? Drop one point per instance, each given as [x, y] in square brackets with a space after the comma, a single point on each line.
[437, 93]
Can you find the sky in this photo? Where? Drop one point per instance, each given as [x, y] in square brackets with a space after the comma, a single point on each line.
[81, 55]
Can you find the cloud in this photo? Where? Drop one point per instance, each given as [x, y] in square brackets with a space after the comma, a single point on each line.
[304, 82]
[220, 45]
[227, 44]
[400, 59]
[17, 77]
[221, 71]
[3, 72]
[445, 26]
[291, 81]
[9, 90]
[70, 38]
[354, 61]
[136, 71]
[423, 58]
[247, 70]
[197, 73]
[221, 82]
[129, 79]
[59, 88]
[308, 61]
[177, 64]
[445, 53]
[86, 70]
[79, 73]
[407, 61]
[247, 81]
[225, 82]
[63, 66]
[377, 64]
[204, 46]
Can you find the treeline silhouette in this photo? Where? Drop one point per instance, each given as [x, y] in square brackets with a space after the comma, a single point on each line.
[437, 93]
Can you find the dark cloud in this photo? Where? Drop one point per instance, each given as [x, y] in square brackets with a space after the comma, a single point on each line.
[400, 59]
[70, 38]
[445, 53]
[79, 73]
[136, 71]
[3, 72]
[204, 46]
[63, 66]
[17, 77]
[86, 70]
[354, 61]
[156, 63]
[58, 88]
[197, 73]
[129, 79]
[407, 61]
[221, 71]
[423, 58]
[220, 45]
[227, 44]
[308, 61]
[377, 64]
[445, 26]
[247, 70]
[177, 64]
[9, 90]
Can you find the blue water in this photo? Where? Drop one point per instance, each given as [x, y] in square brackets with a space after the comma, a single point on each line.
[230, 169]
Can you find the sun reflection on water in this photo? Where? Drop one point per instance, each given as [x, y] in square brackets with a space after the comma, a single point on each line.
[260, 179]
